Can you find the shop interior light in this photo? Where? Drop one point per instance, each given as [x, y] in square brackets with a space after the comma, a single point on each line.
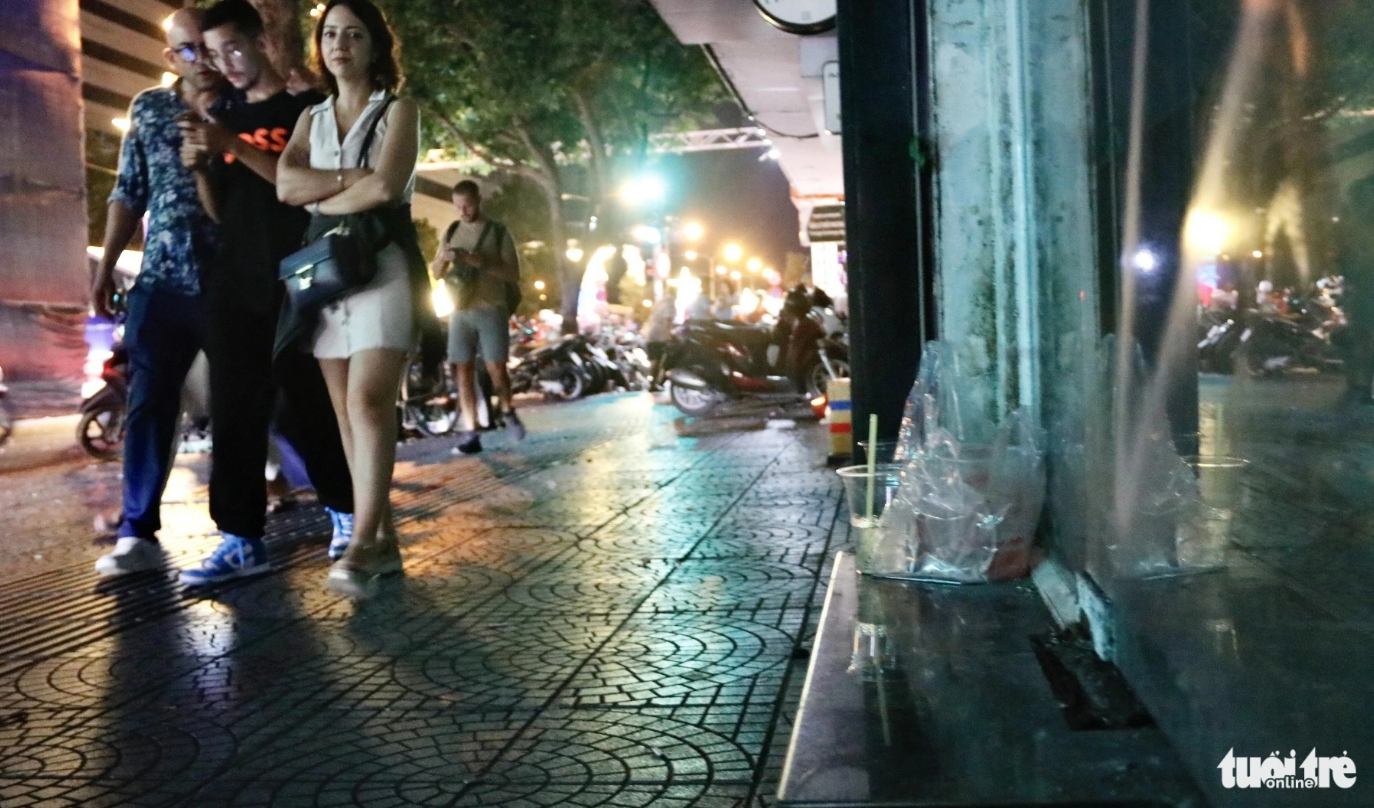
[1145, 260]
[690, 255]
[1207, 232]
[122, 124]
[539, 285]
[574, 254]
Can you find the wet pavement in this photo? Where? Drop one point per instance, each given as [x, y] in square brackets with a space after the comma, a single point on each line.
[611, 614]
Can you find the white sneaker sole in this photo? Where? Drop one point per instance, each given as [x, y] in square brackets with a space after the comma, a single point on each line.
[108, 572]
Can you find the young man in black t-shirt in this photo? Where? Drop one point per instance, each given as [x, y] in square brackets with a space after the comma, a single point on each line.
[235, 159]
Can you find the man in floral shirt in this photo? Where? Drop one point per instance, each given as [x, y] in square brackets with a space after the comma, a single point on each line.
[165, 328]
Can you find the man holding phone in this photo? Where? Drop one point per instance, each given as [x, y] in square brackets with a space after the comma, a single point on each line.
[165, 328]
[234, 152]
[478, 260]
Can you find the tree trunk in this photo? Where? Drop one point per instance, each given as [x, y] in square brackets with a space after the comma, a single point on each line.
[285, 43]
[569, 272]
[610, 222]
[1303, 139]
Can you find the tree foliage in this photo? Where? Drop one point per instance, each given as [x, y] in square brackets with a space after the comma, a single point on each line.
[563, 92]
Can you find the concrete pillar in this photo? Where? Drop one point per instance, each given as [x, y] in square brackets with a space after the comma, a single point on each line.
[887, 218]
[1016, 236]
[43, 272]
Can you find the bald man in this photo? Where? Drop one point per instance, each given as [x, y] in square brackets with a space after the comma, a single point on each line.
[165, 328]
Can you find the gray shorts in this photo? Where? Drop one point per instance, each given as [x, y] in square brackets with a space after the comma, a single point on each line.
[483, 330]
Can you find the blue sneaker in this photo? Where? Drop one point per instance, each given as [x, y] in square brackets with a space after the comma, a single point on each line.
[236, 557]
[343, 533]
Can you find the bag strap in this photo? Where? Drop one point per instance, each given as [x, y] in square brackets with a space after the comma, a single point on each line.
[452, 228]
[372, 131]
[482, 237]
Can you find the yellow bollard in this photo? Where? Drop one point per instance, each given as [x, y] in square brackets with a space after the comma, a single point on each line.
[839, 414]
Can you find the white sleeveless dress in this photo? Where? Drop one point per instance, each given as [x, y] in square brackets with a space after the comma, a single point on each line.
[379, 314]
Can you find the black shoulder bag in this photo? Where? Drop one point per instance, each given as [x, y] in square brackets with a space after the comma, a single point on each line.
[342, 258]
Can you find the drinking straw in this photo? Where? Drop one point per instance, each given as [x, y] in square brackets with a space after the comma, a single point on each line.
[872, 459]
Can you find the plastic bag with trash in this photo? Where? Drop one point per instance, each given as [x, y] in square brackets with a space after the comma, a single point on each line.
[971, 492]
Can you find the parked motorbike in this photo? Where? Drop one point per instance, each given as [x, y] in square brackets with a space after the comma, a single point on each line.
[6, 410]
[555, 369]
[1270, 345]
[100, 431]
[1216, 349]
[428, 402]
[711, 361]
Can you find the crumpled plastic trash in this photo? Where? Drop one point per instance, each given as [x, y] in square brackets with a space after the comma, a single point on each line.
[971, 492]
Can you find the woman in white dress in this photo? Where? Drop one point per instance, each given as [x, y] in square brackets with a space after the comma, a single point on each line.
[362, 341]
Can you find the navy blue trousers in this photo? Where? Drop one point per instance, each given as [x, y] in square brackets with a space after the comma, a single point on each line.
[163, 333]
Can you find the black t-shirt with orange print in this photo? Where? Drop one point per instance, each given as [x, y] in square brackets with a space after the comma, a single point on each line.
[258, 229]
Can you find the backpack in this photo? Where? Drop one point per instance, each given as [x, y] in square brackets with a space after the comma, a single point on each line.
[513, 293]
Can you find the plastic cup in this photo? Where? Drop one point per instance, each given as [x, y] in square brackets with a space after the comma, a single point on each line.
[886, 478]
[1206, 530]
[865, 526]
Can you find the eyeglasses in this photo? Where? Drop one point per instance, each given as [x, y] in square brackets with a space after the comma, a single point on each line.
[232, 53]
[190, 53]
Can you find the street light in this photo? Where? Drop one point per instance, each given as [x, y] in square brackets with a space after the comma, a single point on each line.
[722, 270]
[693, 231]
[574, 254]
[732, 252]
[755, 265]
[642, 190]
[646, 234]
[690, 255]
[539, 285]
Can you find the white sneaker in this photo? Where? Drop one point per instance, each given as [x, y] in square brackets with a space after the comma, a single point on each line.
[131, 554]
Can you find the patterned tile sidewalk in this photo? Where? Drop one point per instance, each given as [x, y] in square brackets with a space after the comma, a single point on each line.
[608, 614]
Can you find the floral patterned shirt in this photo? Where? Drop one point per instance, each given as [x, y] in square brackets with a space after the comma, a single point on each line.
[181, 238]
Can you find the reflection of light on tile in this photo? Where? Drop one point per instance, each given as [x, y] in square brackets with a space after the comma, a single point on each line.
[214, 630]
[182, 485]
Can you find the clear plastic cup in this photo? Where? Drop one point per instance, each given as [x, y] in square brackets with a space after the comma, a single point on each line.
[886, 477]
[865, 509]
[1205, 529]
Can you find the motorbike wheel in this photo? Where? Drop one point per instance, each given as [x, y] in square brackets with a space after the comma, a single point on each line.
[101, 432]
[1253, 362]
[816, 378]
[574, 383]
[597, 378]
[6, 420]
[692, 401]
[432, 420]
